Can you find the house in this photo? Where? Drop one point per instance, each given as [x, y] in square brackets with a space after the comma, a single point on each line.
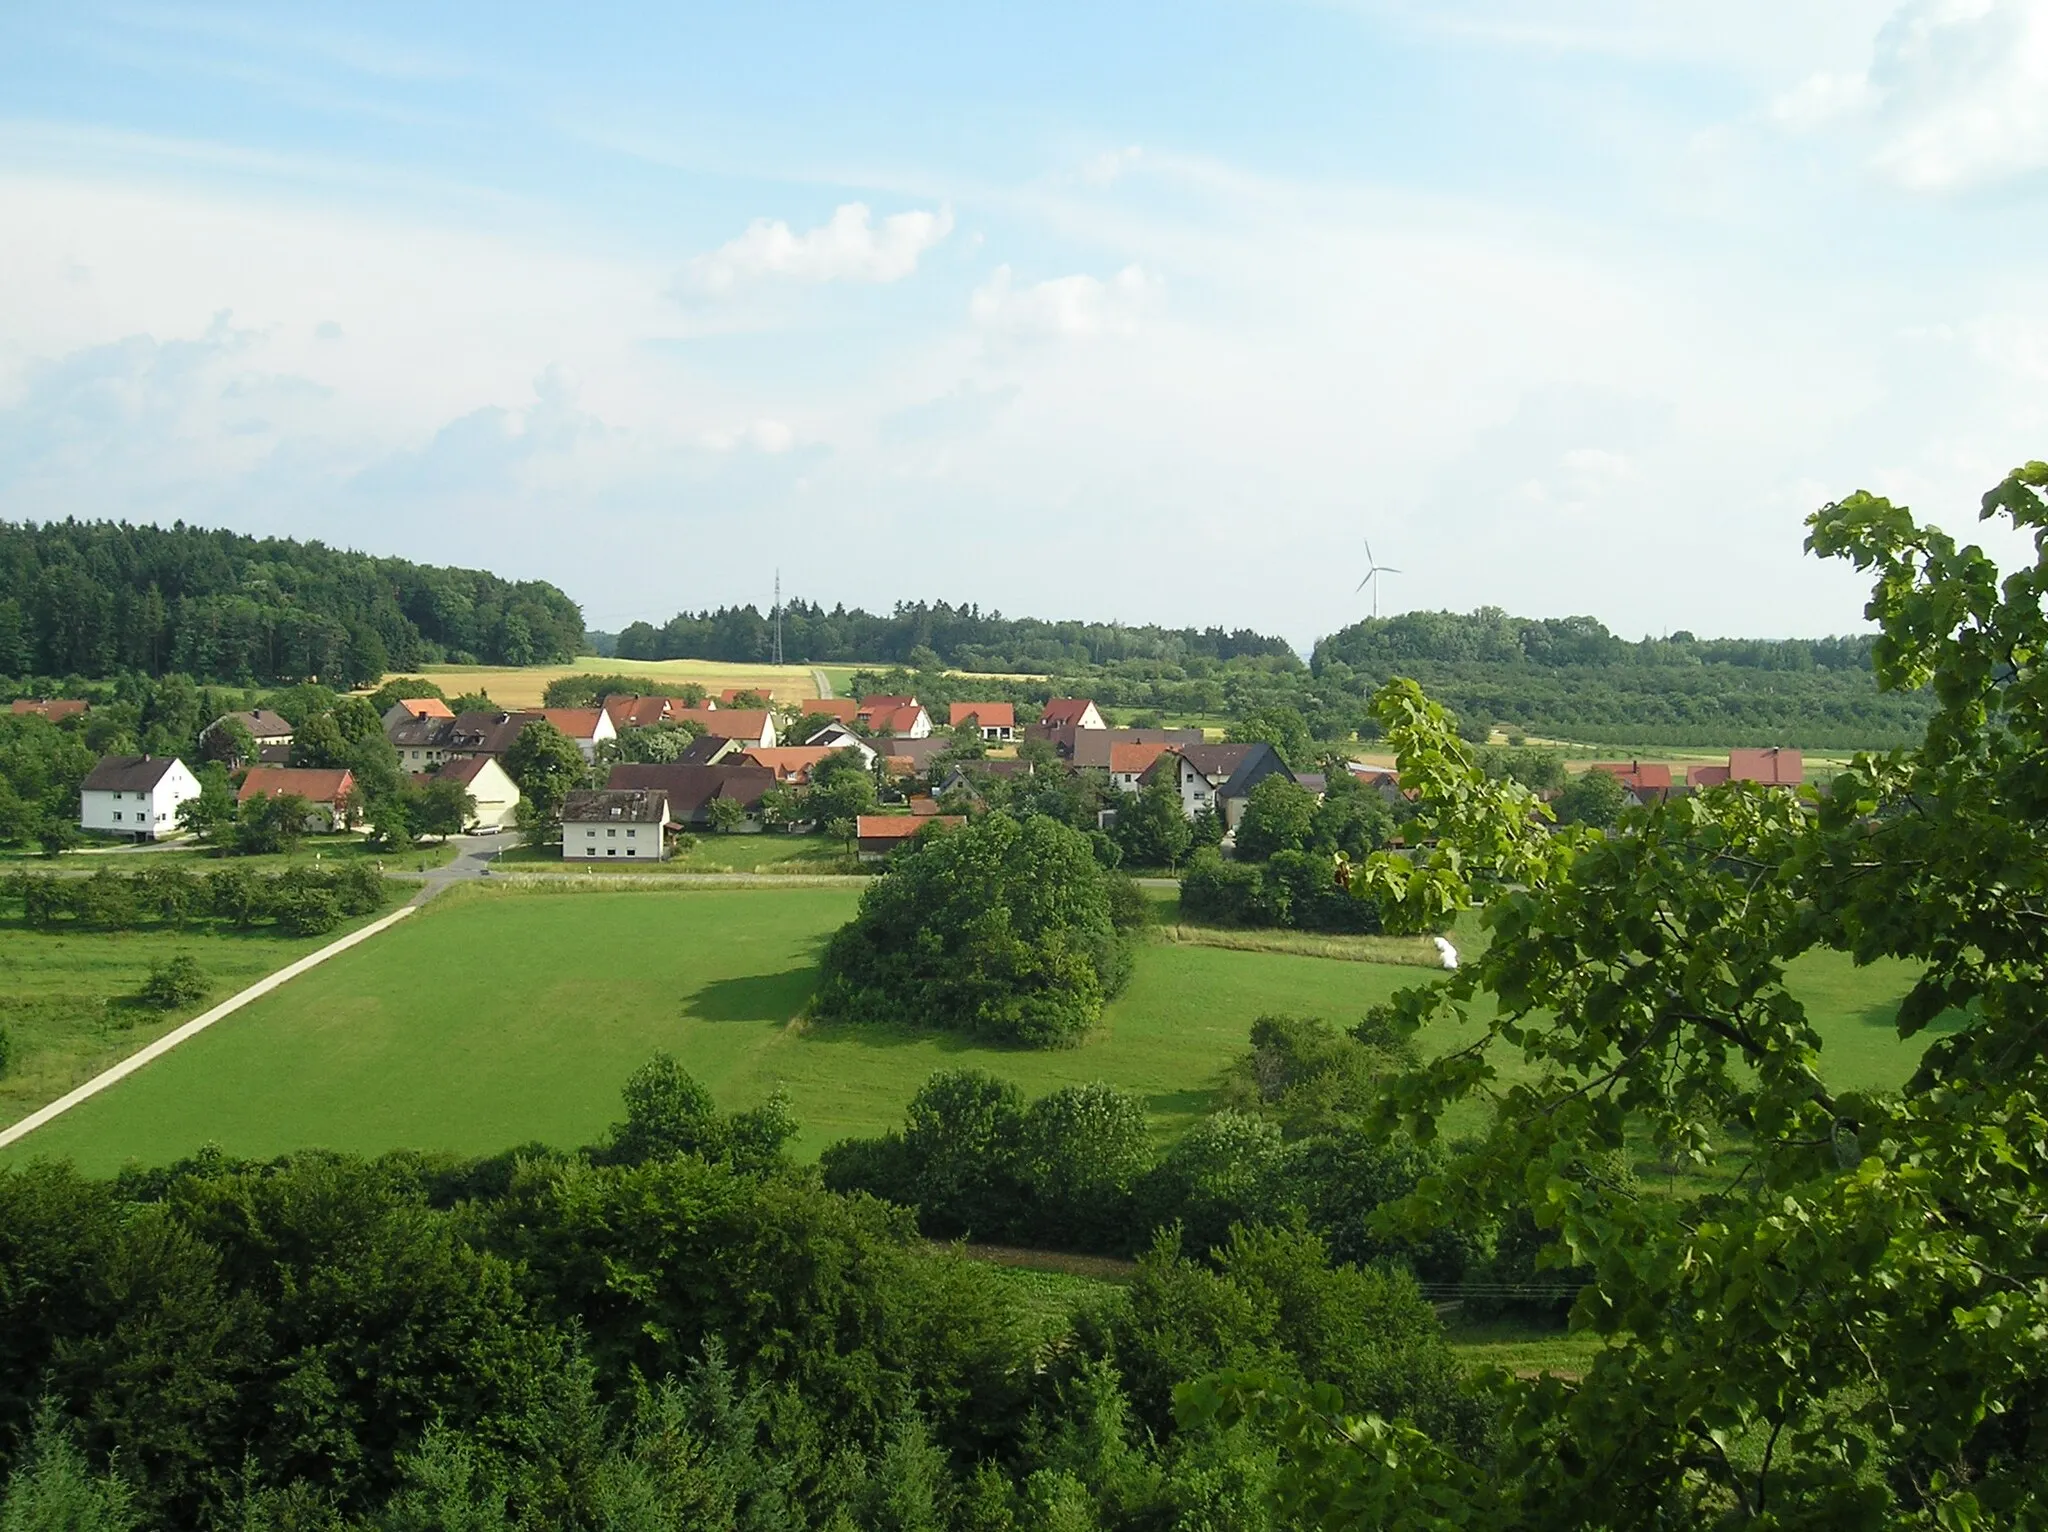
[1129, 763]
[969, 774]
[1636, 776]
[328, 793]
[920, 753]
[879, 836]
[790, 763]
[730, 697]
[589, 727]
[997, 721]
[1071, 712]
[714, 750]
[422, 739]
[754, 726]
[416, 707]
[1774, 766]
[135, 795]
[898, 717]
[1091, 747]
[56, 709]
[494, 796]
[1383, 780]
[615, 823]
[838, 709]
[271, 732]
[1218, 777]
[635, 712]
[691, 789]
[837, 736]
[1697, 777]
[483, 733]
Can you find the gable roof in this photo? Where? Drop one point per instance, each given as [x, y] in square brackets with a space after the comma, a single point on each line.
[726, 698]
[881, 705]
[899, 826]
[1135, 757]
[1092, 747]
[635, 712]
[789, 762]
[487, 733]
[1772, 764]
[56, 709]
[1706, 776]
[407, 730]
[467, 768]
[690, 788]
[426, 707]
[844, 709]
[1635, 773]
[1065, 710]
[261, 723]
[987, 715]
[615, 805]
[899, 720]
[127, 773]
[710, 749]
[732, 723]
[315, 784]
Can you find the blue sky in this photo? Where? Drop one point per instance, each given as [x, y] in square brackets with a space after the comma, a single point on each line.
[1138, 312]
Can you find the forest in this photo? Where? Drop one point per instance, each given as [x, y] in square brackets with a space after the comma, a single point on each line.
[96, 599]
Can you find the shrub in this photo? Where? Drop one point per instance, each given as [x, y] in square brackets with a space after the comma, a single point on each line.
[1224, 892]
[304, 909]
[6, 1051]
[998, 928]
[176, 984]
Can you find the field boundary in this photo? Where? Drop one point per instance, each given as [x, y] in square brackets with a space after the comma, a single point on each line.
[116, 1073]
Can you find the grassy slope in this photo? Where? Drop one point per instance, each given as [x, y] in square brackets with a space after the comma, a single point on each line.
[521, 686]
[501, 1016]
[196, 856]
[66, 998]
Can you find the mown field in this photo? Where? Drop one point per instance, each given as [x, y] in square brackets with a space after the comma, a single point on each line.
[521, 686]
[197, 856]
[502, 1016]
[766, 853]
[67, 999]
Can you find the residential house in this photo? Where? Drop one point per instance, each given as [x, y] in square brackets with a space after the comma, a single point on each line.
[897, 717]
[920, 753]
[271, 732]
[1218, 777]
[615, 823]
[970, 774]
[1697, 777]
[416, 707]
[1071, 712]
[494, 796]
[1313, 782]
[634, 712]
[1383, 780]
[754, 726]
[56, 709]
[589, 727]
[423, 740]
[714, 750]
[1129, 763]
[879, 836]
[482, 733]
[837, 736]
[135, 795]
[1635, 774]
[691, 789]
[1772, 766]
[1083, 748]
[329, 794]
[792, 764]
[730, 697]
[997, 721]
[838, 709]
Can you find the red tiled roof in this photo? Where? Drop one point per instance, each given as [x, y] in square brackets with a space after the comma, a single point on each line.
[789, 762]
[845, 709]
[883, 704]
[1138, 758]
[726, 697]
[923, 805]
[1636, 773]
[987, 715]
[1781, 767]
[898, 826]
[313, 783]
[628, 712]
[895, 720]
[576, 722]
[426, 707]
[1706, 776]
[1065, 710]
[56, 709]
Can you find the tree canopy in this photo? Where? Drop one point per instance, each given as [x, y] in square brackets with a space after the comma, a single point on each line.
[1000, 928]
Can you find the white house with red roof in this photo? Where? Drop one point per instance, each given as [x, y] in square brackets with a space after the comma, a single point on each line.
[997, 721]
[135, 795]
[1071, 712]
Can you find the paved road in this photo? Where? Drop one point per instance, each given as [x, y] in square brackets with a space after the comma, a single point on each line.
[472, 860]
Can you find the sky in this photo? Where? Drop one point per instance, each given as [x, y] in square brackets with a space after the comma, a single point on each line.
[1149, 313]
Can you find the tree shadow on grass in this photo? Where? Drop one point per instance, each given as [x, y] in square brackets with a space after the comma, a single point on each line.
[896, 1034]
[1885, 1013]
[1180, 1103]
[752, 997]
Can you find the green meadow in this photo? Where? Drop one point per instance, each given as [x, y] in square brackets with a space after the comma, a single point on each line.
[505, 1016]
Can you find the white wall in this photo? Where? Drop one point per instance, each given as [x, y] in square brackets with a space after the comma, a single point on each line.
[152, 814]
[611, 843]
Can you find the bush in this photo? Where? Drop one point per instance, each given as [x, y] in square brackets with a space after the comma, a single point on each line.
[176, 984]
[304, 909]
[6, 1051]
[1295, 889]
[1226, 893]
[999, 928]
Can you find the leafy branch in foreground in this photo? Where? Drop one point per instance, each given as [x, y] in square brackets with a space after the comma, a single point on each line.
[1850, 1329]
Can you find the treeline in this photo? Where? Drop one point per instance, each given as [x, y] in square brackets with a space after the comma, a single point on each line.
[674, 1328]
[962, 637]
[92, 599]
[304, 901]
[1490, 636]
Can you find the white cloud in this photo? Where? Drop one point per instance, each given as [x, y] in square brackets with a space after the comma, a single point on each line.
[1955, 94]
[1076, 306]
[848, 247]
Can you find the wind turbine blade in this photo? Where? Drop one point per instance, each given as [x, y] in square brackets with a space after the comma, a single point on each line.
[1362, 584]
[1386, 569]
[1368, 550]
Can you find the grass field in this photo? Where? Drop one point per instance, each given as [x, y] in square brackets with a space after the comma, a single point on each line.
[521, 686]
[802, 854]
[196, 856]
[501, 1016]
[67, 997]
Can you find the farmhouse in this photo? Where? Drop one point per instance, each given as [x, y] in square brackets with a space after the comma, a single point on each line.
[691, 789]
[1218, 777]
[879, 836]
[135, 795]
[619, 823]
[56, 709]
[328, 793]
[997, 721]
[493, 794]
[899, 717]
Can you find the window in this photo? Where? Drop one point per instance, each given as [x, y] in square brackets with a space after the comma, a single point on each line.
[117, 816]
[632, 851]
[611, 851]
[612, 832]
[630, 834]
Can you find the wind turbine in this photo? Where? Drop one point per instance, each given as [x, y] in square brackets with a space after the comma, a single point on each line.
[1373, 570]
